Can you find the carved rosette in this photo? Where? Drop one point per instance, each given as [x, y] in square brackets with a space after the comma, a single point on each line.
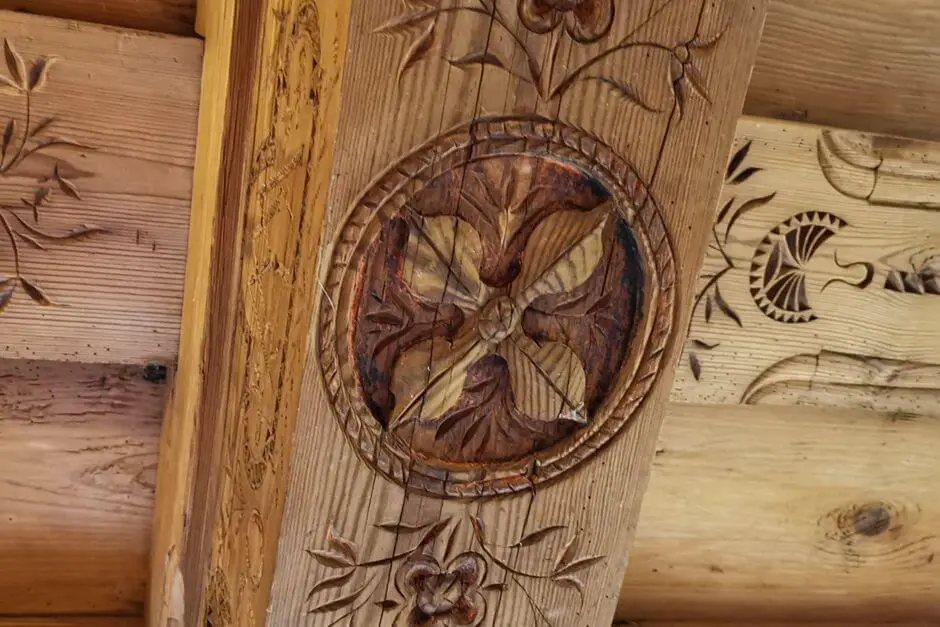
[496, 307]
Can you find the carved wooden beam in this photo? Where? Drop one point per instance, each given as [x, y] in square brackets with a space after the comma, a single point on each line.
[520, 201]
[517, 210]
[269, 103]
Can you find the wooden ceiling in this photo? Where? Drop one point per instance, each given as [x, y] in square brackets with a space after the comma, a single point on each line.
[767, 509]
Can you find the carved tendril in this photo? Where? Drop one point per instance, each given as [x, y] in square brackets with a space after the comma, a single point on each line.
[22, 139]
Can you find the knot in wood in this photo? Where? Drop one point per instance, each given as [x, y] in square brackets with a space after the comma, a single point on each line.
[498, 320]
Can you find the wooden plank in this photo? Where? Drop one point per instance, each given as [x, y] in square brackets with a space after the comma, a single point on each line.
[132, 98]
[77, 621]
[266, 133]
[163, 16]
[831, 64]
[78, 453]
[744, 623]
[843, 313]
[775, 514]
[404, 465]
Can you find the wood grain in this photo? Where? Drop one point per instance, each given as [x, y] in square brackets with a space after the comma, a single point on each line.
[258, 200]
[849, 318]
[776, 514]
[831, 64]
[133, 98]
[357, 513]
[77, 621]
[78, 453]
[163, 16]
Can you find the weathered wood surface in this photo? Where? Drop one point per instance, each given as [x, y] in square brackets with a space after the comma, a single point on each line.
[130, 101]
[781, 514]
[821, 285]
[830, 63]
[568, 542]
[162, 16]
[78, 455]
[77, 621]
[258, 199]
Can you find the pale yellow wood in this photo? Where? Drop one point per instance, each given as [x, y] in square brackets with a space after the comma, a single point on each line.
[780, 514]
[266, 136]
[69, 621]
[830, 63]
[852, 320]
[132, 98]
[78, 455]
[400, 91]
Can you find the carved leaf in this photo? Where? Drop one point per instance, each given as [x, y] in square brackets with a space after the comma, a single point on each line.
[696, 365]
[434, 531]
[450, 543]
[725, 308]
[6, 81]
[708, 308]
[341, 602]
[42, 126]
[697, 82]
[342, 545]
[7, 289]
[40, 72]
[481, 57]
[29, 239]
[386, 604]
[562, 253]
[67, 186]
[417, 50]
[566, 554]
[750, 205]
[571, 582]
[407, 20]
[737, 160]
[35, 292]
[396, 527]
[9, 132]
[537, 536]
[15, 64]
[494, 587]
[745, 175]
[333, 559]
[704, 345]
[625, 91]
[577, 565]
[335, 581]
[479, 529]
[442, 261]
[76, 234]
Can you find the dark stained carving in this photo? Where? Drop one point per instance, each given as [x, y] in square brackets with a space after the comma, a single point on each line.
[708, 298]
[921, 279]
[437, 584]
[584, 22]
[778, 269]
[493, 301]
[22, 141]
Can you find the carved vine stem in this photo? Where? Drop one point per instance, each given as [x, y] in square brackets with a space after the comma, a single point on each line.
[450, 591]
[31, 140]
[581, 30]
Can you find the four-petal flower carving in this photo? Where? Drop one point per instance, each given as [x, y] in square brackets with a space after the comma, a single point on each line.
[546, 381]
[586, 21]
[439, 597]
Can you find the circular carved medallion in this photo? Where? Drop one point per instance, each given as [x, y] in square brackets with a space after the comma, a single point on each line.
[495, 309]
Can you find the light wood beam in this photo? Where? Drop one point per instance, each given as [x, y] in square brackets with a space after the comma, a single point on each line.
[406, 445]
[266, 133]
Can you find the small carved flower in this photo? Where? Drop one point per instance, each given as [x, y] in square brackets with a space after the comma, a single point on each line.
[585, 20]
[441, 597]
